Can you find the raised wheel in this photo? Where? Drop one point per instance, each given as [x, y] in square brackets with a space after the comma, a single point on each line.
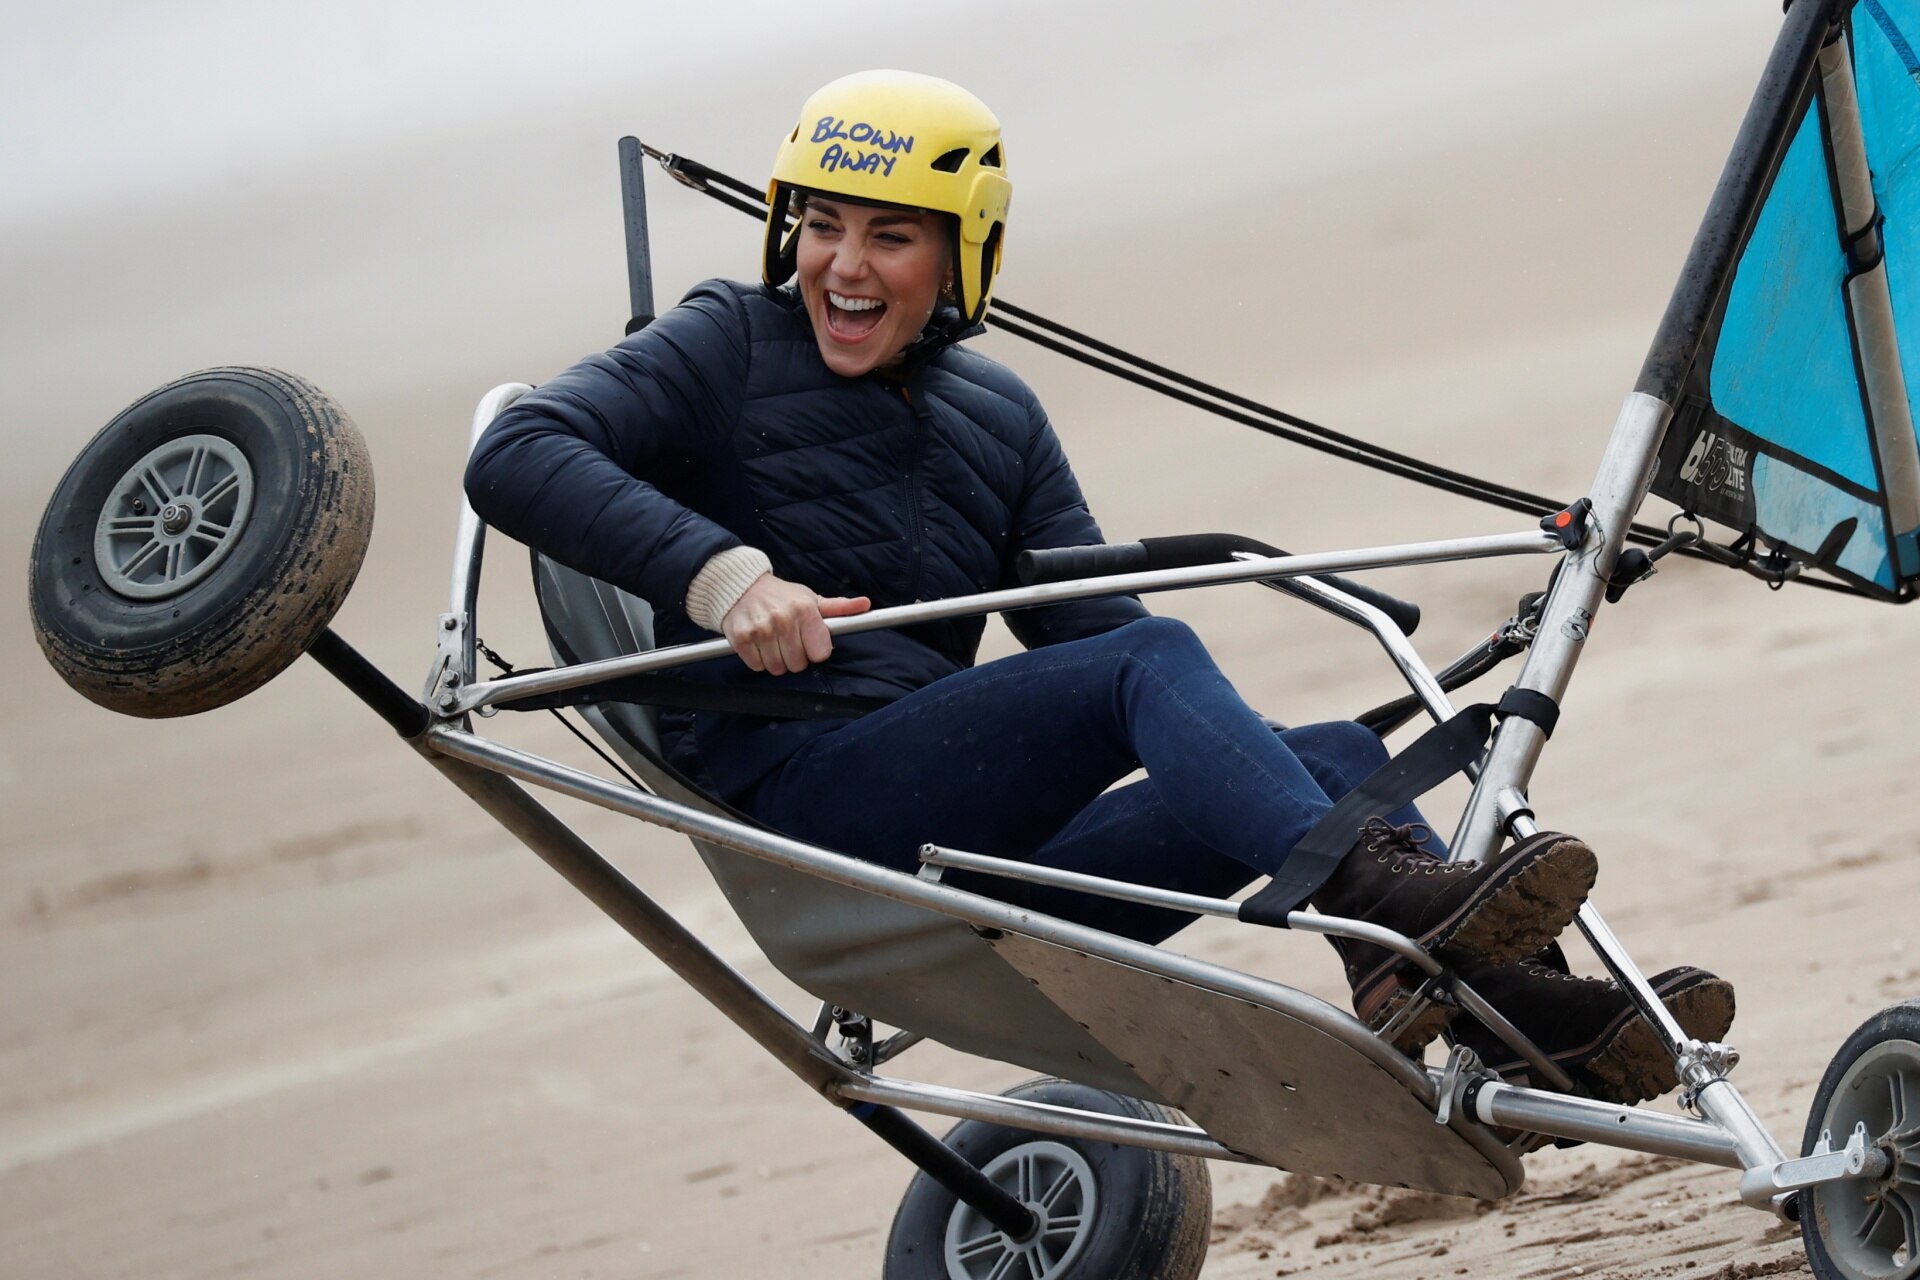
[201, 542]
[1870, 1230]
[1106, 1212]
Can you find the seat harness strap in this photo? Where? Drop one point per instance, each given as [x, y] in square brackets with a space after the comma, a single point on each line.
[1436, 755]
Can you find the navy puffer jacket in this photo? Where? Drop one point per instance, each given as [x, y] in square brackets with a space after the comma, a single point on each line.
[719, 425]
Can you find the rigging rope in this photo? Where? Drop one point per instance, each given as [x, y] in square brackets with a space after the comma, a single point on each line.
[1063, 340]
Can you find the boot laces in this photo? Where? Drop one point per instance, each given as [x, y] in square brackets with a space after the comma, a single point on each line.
[1535, 967]
[1392, 843]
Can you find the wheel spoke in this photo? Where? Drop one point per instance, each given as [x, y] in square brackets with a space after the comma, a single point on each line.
[1881, 1228]
[1026, 1177]
[156, 485]
[173, 562]
[1909, 1215]
[1002, 1267]
[220, 489]
[122, 526]
[1058, 1187]
[1065, 1224]
[980, 1244]
[194, 463]
[208, 531]
[140, 558]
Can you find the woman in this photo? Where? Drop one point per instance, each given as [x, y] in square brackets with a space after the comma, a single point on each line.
[761, 459]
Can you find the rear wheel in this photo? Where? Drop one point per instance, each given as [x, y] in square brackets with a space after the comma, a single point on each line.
[1106, 1212]
[201, 542]
[1869, 1230]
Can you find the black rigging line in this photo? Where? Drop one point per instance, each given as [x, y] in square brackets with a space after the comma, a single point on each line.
[1175, 385]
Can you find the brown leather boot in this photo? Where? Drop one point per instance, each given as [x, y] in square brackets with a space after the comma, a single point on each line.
[1589, 1028]
[1485, 913]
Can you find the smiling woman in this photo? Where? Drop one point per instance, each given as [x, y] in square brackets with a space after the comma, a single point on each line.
[870, 277]
[765, 457]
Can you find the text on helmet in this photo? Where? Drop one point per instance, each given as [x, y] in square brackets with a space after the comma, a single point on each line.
[838, 159]
[828, 128]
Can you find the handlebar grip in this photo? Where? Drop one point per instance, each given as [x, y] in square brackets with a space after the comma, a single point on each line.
[1061, 564]
[1184, 550]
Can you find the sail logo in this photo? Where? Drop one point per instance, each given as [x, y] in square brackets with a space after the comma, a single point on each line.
[1716, 465]
[876, 149]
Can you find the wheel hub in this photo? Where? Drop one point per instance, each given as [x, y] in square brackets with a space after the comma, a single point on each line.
[1872, 1229]
[172, 517]
[1057, 1184]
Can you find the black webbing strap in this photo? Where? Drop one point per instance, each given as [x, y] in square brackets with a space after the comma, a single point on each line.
[1111, 359]
[1429, 760]
[666, 691]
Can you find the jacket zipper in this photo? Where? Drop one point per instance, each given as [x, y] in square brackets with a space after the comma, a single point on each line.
[921, 416]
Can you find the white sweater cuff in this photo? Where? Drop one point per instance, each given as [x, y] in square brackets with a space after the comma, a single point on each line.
[722, 581]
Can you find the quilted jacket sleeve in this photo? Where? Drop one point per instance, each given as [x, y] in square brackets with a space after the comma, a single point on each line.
[1052, 513]
[572, 467]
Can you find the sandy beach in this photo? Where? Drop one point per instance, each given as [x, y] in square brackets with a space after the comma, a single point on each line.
[275, 1001]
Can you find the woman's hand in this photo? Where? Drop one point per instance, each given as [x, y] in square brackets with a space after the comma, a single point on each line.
[779, 626]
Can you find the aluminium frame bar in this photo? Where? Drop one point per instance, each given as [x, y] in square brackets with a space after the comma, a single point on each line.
[1400, 650]
[1631, 1129]
[898, 887]
[934, 855]
[1619, 487]
[1869, 298]
[1040, 1117]
[1533, 542]
[470, 535]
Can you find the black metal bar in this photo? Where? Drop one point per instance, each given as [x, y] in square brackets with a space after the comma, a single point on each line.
[1736, 200]
[949, 1168]
[633, 199]
[408, 718]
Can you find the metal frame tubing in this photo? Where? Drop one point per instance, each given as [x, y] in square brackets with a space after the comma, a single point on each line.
[934, 855]
[1533, 542]
[477, 767]
[1042, 1117]
[721, 985]
[470, 538]
[1618, 490]
[966, 907]
[1546, 1113]
[1567, 615]
[1867, 294]
[633, 208]
[1357, 611]
[1736, 199]
[1621, 482]
[700, 968]
[1565, 1116]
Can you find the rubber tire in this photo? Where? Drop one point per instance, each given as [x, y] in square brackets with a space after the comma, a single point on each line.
[1152, 1218]
[263, 604]
[1895, 1022]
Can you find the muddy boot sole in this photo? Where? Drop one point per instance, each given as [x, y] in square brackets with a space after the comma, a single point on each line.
[1632, 1066]
[1535, 896]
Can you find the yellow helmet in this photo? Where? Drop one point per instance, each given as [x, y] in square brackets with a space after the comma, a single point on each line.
[903, 140]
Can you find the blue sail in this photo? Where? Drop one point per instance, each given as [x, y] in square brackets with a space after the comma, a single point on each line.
[1796, 428]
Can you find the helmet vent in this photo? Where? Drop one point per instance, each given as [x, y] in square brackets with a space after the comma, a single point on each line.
[991, 159]
[951, 162]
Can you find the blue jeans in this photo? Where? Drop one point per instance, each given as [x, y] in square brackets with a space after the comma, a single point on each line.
[1014, 758]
